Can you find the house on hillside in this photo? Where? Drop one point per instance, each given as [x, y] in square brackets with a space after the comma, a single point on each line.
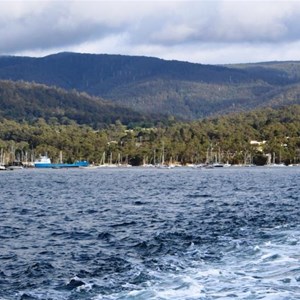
[258, 145]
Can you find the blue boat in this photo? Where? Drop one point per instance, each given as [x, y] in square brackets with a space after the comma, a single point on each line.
[45, 162]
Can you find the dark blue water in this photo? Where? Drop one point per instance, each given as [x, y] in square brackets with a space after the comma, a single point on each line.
[229, 233]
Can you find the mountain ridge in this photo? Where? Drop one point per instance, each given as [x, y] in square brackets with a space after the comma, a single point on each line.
[154, 86]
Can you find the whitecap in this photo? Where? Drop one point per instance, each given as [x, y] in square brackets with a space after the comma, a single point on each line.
[256, 248]
[76, 283]
[85, 287]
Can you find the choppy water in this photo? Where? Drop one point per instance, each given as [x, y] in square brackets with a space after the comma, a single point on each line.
[150, 234]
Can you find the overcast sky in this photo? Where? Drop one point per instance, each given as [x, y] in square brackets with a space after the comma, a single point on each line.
[212, 31]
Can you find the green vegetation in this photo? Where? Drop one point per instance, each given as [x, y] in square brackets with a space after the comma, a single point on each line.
[152, 103]
[23, 101]
[155, 86]
[183, 142]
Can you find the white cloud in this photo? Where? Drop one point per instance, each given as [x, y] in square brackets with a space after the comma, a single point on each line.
[200, 31]
[256, 21]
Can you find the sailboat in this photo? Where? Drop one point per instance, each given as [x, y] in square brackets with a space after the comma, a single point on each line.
[217, 163]
[145, 162]
[163, 165]
[104, 164]
[126, 164]
[2, 166]
[274, 164]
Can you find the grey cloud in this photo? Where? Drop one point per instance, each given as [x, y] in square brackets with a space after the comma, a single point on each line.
[55, 26]
[227, 22]
[31, 38]
[157, 28]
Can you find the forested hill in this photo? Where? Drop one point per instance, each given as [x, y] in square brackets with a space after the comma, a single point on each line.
[188, 142]
[22, 101]
[152, 85]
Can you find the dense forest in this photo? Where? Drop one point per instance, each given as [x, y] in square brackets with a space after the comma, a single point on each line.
[23, 101]
[188, 142]
[155, 86]
[140, 109]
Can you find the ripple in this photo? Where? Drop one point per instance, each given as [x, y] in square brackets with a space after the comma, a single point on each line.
[167, 234]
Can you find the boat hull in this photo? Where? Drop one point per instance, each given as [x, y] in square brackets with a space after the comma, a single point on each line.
[60, 166]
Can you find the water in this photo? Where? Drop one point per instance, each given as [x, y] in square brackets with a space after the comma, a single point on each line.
[133, 234]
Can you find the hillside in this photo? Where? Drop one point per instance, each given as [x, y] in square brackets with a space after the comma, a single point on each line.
[185, 142]
[152, 85]
[23, 101]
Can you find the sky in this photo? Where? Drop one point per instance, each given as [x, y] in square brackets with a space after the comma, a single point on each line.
[208, 32]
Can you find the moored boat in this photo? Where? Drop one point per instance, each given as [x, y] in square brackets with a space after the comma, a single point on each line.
[45, 162]
[16, 165]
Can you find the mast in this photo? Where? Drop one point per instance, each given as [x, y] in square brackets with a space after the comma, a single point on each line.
[60, 157]
[163, 154]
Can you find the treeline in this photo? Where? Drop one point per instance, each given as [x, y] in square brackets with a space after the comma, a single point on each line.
[228, 136]
[23, 101]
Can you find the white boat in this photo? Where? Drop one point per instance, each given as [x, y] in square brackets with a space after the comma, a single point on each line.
[16, 165]
[273, 163]
[11, 168]
[218, 165]
[104, 164]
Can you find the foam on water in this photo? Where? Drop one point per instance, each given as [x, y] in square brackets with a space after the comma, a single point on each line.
[269, 273]
[155, 235]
